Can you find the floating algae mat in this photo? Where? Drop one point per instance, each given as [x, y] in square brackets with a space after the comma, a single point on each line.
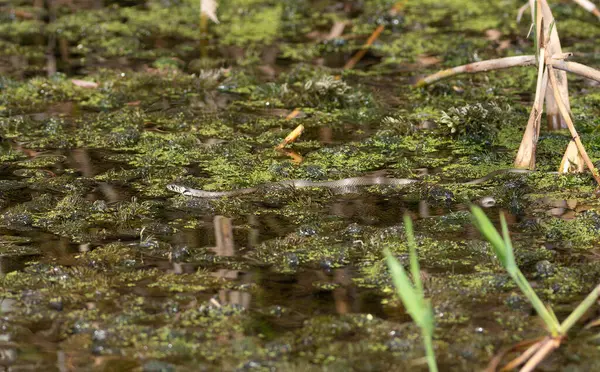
[105, 103]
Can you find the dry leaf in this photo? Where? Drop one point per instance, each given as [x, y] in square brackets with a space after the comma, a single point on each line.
[209, 8]
[84, 83]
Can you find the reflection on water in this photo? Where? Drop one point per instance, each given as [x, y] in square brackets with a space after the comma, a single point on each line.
[225, 248]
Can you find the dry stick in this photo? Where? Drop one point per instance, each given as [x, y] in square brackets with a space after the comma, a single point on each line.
[585, 4]
[567, 117]
[483, 66]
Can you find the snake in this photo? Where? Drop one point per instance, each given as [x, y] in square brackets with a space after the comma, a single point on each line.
[346, 182]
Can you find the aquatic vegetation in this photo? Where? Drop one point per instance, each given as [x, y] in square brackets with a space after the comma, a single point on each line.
[504, 252]
[100, 261]
[477, 122]
[550, 83]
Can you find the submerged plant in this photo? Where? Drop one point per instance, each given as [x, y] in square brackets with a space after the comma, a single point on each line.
[412, 296]
[539, 349]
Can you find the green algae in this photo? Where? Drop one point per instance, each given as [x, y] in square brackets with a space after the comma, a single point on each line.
[129, 274]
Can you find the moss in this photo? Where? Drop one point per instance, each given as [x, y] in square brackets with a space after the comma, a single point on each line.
[581, 232]
[98, 254]
[249, 24]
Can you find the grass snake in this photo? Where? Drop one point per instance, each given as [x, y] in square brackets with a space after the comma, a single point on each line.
[346, 182]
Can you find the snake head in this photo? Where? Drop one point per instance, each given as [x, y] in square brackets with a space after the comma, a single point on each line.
[178, 189]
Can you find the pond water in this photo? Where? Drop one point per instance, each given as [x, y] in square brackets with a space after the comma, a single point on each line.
[103, 268]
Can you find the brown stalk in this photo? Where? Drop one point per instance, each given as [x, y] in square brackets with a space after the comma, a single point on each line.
[526, 154]
[363, 50]
[548, 346]
[566, 116]
[293, 114]
[523, 357]
[527, 149]
[557, 112]
[361, 53]
[493, 364]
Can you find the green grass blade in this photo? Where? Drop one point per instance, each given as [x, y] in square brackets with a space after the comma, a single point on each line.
[504, 250]
[588, 302]
[428, 341]
[488, 230]
[411, 300]
[541, 309]
[511, 264]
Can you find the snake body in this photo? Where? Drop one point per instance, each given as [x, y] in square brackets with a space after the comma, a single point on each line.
[343, 183]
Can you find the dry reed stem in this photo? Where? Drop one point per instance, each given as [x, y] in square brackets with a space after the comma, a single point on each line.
[493, 364]
[576, 68]
[585, 4]
[565, 114]
[548, 346]
[361, 53]
[363, 50]
[553, 48]
[570, 158]
[526, 155]
[296, 158]
[483, 66]
[523, 357]
[589, 6]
